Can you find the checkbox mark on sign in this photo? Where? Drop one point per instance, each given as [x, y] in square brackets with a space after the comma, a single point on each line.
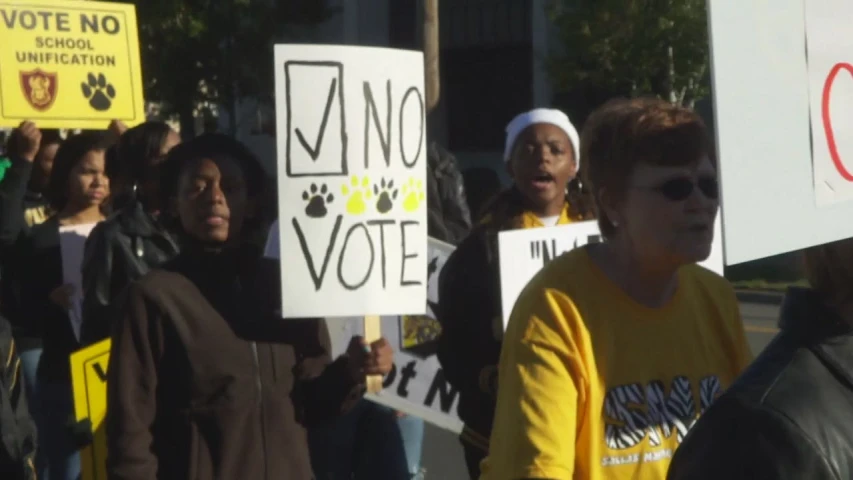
[316, 123]
[314, 151]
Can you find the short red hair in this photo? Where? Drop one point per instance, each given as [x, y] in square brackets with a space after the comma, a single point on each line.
[626, 132]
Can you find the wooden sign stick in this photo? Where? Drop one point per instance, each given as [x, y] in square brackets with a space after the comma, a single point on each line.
[372, 333]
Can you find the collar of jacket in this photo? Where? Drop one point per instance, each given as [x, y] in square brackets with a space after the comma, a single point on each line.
[806, 315]
[529, 219]
[135, 221]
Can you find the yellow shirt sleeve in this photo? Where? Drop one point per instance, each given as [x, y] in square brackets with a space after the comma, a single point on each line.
[540, 390]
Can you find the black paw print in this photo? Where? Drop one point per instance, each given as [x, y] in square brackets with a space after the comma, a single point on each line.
[386, 194]
[99, 93]
[317, 199]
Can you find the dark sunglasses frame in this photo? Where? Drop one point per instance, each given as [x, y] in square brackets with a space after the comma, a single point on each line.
[680, 189]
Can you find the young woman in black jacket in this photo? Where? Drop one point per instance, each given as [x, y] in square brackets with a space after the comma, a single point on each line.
[541, 155]
[133, 240]
[78, 190]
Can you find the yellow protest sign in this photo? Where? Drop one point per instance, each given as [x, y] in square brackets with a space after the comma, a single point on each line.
[69, 64]
[89, 380]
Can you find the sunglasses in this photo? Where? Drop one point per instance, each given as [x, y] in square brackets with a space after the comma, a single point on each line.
[679, 189]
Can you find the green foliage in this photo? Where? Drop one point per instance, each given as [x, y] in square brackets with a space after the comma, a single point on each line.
[215, 50]
[632, 47]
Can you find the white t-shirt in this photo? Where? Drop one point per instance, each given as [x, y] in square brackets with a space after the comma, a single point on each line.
[547, 221]
[272, 248]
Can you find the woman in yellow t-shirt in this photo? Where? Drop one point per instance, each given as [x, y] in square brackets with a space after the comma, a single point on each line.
[613, 350]
[541, 156]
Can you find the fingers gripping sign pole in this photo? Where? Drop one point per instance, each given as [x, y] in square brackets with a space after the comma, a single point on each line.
[372, 333]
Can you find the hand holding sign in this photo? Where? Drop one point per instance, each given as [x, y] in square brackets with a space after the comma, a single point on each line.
[26, 141]
[376, 358]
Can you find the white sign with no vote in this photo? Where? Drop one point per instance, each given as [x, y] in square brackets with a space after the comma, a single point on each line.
[351, 132]
[416, 385]
[524, 252]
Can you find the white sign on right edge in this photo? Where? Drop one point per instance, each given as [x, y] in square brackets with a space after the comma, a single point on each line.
[524, 252]
[763, 106]
[830, 64]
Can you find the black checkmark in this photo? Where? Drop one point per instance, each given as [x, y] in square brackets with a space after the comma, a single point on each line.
[315, 152]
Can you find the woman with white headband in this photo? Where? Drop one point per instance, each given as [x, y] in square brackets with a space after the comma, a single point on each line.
[542, 157]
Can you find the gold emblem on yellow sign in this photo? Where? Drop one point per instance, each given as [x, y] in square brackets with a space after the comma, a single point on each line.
[39, 88]
[419, 330]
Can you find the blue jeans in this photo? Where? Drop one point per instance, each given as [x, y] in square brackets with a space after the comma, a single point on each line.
[412, 430]
[55, 441]
[367, 443]
[29, 366]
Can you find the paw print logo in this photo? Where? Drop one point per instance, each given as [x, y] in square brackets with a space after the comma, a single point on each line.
[386, 194]
[413, 195]
[359, 193]
[317, 199]
[99, 92]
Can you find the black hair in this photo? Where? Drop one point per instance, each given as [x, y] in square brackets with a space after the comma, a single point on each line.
[70, 153]
[213, 146]
[138, 146]
[481, 186]
[504, 211]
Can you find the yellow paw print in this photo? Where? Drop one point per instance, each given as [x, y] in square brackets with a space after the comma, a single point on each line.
[413, 195]
[359, 193]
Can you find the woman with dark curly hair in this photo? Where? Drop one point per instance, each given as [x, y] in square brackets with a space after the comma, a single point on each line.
[133, 240]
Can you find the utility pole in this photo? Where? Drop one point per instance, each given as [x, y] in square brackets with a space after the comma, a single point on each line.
[432, 80]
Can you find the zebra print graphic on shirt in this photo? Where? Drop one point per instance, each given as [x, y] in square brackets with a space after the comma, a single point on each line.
[633, 413]
[709, 390]
[618, 405]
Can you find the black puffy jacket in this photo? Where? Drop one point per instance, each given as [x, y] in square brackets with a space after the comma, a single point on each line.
[119, 250]
[449, 219]
[788, 416]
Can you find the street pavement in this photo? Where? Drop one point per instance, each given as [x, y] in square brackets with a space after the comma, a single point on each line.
[442, 455]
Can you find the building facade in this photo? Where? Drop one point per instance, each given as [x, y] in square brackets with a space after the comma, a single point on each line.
[491, 65]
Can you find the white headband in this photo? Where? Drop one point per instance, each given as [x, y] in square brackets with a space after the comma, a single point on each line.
[542, 115]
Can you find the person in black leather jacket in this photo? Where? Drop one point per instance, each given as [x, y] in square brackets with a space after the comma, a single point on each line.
[17, 429]
[788, 415]
[132, 241]
[449, 218]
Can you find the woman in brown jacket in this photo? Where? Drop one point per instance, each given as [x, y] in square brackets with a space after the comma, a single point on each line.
[205, 381]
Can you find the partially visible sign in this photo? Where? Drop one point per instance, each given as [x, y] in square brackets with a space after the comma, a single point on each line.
[69, 64]
[524, 252]
[416, 385]
[830, 63]
[784, 179]
[89, 383]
